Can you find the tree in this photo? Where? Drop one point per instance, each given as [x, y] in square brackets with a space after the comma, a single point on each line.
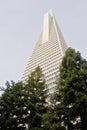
[71, 97]
[23, 105]
[12, 108]
[37, 99]
[51, 121]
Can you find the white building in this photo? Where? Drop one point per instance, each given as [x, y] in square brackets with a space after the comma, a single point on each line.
[48, 52]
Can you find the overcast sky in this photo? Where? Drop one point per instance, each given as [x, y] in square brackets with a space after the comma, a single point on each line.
[21, 23]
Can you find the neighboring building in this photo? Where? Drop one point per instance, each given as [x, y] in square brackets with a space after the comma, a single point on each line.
[48, 52]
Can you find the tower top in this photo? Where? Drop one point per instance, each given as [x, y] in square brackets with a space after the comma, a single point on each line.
[46, 26]
[50, 26]
[50, 12]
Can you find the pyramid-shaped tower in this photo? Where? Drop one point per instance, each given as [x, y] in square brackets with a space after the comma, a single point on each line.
[48, 52]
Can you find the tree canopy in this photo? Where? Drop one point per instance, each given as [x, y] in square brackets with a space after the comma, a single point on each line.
[23, 105]
[71, 97]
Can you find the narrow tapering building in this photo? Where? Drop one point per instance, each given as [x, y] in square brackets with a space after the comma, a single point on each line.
[48, 52]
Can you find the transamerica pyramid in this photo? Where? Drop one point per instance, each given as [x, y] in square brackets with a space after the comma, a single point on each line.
[48, 52]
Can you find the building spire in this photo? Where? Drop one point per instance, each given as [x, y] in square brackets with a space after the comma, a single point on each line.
[46, 26]
[50, 12]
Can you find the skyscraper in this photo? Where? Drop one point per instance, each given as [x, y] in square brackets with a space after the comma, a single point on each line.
[48, 52]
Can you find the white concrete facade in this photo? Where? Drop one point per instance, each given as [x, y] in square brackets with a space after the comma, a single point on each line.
[48, 52]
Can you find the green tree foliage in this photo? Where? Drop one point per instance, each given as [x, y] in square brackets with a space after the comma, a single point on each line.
[51, 121]
[71, 97]
[12, 108]
[22, 105]
[37, 99]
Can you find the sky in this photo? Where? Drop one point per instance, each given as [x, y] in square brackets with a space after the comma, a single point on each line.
[21, 23]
